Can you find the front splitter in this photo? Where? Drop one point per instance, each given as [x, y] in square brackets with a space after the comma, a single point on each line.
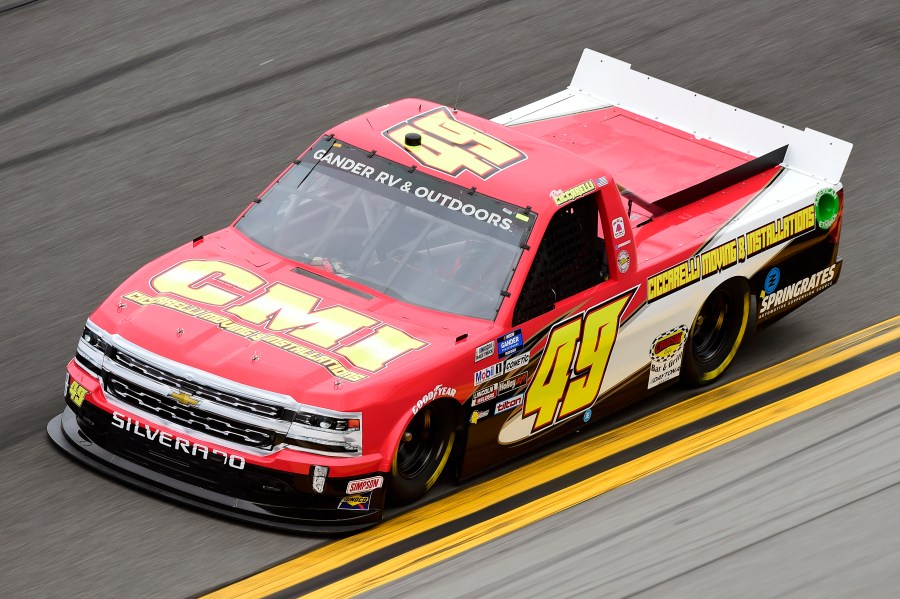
[67, 435]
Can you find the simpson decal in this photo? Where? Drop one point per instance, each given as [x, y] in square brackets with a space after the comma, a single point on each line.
[365, 484]
[666, 353]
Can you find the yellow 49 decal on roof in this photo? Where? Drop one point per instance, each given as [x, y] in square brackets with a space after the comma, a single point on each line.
[451, 146]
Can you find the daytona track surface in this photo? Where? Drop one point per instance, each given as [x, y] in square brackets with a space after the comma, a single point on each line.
[129, 128]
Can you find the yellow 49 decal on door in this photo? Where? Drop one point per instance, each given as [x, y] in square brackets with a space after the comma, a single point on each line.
[571, 369]
[451, 146]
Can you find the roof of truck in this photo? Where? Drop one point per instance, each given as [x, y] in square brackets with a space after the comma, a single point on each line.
[530, 168]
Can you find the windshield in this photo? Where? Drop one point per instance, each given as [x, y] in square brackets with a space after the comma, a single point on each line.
[406, 234]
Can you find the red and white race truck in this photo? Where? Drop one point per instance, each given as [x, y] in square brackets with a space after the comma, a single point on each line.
[424, 290]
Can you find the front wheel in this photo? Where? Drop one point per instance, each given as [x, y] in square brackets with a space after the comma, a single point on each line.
[423, 452]
[717, 332]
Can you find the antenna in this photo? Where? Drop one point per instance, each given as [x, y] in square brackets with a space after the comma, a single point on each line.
[370, 124]
[456, 102]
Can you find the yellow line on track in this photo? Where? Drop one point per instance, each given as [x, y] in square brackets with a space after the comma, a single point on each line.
[476, 497]
[668, 456]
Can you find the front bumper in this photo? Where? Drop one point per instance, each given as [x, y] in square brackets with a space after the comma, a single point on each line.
[262, 496]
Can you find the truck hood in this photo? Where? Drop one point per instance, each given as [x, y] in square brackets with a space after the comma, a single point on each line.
[229, 307]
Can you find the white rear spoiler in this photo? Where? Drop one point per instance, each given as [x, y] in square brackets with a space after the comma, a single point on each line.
[602, 81]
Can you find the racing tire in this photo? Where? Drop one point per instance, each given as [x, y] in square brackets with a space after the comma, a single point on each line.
[717, 332]
[422, 453]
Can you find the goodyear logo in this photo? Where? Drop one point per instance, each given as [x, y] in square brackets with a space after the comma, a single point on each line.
[358, 502]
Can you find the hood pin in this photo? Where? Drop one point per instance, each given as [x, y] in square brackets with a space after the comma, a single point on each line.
[179, 332]
[254, 358]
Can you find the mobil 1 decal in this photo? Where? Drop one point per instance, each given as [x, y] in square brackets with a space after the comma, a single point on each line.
[570, 370]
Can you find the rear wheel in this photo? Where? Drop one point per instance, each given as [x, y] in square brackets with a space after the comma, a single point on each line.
[717, 332]
[423, 453]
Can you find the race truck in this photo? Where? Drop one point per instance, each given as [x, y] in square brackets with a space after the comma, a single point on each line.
[425, 291]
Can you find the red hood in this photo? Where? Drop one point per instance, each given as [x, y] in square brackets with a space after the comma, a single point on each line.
[146, 311]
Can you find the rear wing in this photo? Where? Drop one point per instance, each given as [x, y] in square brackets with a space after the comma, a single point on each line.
[602, 81]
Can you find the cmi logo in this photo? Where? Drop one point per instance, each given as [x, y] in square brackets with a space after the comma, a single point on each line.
[451, 146]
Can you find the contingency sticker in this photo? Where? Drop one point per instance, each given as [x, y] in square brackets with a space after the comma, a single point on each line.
[666, 353]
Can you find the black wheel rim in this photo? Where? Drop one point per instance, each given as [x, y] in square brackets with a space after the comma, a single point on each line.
[421, 445]
[711, 327]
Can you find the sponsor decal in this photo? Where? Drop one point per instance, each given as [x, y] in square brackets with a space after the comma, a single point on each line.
[516, 362]
[438, 391]
[484, 351]
[618, 227]
[572, 367]
[782, 299]
[486, 374]
[451, 146]
[478, 415]
[582, 189]
[734, 251]
[509, 343]
[828, 205]
[772, 279]
[76, 393]
[602, 181]
[504, 405]
[285, 317]
[623, 261]
[484, 395]
[666, 353]
[513, 383]
[358, 502]
[587, 415]
[365, 484]
[192, 448]
[623, 244]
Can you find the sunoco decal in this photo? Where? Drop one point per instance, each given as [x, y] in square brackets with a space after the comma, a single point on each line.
[732, 252]
[666, 353]
[782, 299]
[358, 502]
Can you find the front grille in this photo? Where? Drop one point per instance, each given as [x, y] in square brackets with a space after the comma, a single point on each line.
[189, 417]
[201, 392]
[135, 378]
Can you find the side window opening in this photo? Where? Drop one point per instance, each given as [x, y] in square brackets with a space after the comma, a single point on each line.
[570, 259]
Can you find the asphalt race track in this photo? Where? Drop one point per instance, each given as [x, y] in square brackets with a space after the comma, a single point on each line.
[127, 128]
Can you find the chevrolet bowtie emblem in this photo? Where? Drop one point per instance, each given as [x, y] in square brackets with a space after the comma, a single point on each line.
[185, 399]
